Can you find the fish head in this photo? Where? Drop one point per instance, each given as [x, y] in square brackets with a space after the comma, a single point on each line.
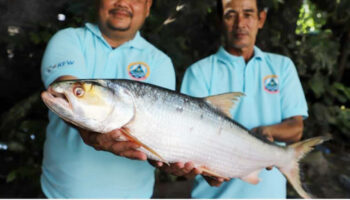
[90, 104]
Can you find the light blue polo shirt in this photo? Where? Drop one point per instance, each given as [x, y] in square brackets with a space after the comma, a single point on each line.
[272, 93]
[72, 169]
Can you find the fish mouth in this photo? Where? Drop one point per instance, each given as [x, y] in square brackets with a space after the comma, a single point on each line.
[55, 99]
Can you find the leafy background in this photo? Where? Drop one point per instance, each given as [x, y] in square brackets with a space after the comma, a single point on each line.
[314, 33]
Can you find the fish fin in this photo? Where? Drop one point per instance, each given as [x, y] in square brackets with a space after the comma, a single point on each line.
[252, 178]
[131, 138]
[208, 172]
[224, 102]
[292, 171]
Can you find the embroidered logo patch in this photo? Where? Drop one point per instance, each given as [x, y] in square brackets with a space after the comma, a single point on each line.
[138, 71]
[271, 84]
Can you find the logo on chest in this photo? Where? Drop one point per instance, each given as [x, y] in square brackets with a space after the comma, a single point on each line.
[271, 84]
[138, 71]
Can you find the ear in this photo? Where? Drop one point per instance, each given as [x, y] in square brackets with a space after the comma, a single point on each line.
[148, 7]
[262, 18]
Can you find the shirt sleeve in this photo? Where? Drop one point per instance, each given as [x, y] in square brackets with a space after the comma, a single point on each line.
[63, 56]
[193, 83]
[163, 73]
[293, 100]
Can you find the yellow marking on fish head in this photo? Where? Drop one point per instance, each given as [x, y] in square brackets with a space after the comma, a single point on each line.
[89, 94]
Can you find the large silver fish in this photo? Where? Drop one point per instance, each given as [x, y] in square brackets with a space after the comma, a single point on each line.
[173, 127]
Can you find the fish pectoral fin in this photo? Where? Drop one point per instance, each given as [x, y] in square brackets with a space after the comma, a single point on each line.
[252, 178]
[224, 102]
[131, 138]
[208, 172]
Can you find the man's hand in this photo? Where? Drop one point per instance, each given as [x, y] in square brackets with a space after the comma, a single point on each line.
[108, 142]
[289, 130]
[265, 131]
[216, 182]
[188, 171]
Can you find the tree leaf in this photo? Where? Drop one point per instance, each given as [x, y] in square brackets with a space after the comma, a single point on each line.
[11, 176]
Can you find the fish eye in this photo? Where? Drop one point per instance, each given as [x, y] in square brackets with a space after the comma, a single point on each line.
[78, 91]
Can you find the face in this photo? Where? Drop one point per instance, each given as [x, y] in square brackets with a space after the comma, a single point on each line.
[123, 15]
[241, 21]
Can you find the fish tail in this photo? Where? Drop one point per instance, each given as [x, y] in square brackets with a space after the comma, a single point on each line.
[292, 171]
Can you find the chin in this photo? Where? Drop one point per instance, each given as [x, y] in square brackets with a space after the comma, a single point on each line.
[119, 27]
[239, 46]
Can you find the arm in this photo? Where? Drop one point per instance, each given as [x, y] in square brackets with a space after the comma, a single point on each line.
[293, 107]
[64, 60]
[289, 130]
[63, 57]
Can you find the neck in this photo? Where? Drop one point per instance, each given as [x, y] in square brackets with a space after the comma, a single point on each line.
[247, 53]
[116, 38]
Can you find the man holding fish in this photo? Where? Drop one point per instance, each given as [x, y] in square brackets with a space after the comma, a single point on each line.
[274, 104]
[111, 49]
[71, 169]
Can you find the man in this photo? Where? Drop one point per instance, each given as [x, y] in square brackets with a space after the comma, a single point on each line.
[111, 49]
[274, 104]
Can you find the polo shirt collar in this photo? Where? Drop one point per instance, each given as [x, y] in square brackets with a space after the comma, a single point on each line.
[258, 53]
[225, 56]
[137, 42]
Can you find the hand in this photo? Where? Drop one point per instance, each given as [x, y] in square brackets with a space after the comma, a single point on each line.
[265, 131]
[290, 130]
[186, 170]
[214, 181]
[108, 142]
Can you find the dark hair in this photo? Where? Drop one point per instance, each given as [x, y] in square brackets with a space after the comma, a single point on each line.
[219, 7]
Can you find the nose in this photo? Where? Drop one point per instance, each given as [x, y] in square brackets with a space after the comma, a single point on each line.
[121, 2]
[240, 21]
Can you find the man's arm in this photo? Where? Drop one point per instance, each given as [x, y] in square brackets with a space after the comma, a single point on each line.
[64, 60]
[289, 130]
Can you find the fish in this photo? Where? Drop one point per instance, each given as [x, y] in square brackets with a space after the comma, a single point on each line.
[174, 127]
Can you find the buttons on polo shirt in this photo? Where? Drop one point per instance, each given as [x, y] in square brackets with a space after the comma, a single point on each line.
[240, 68]
[251, 80]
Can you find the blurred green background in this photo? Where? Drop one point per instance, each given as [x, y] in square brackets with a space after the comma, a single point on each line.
[314, 33]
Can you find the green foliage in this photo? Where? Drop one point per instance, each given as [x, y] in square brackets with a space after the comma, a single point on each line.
[310, 19]
[321, 71]
[183, 44]
[22, 131]
[317, 56]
